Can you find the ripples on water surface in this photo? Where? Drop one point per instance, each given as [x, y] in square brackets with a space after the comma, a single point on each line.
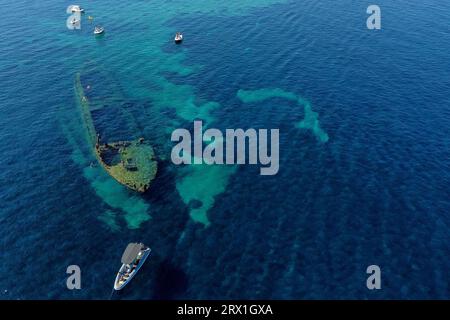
[364, 168]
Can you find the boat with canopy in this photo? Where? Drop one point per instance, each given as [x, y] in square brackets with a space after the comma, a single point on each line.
[132, 260]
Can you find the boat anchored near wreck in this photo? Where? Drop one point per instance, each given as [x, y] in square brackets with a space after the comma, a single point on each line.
[76, 9]
[132, 260]
[99, 30]
[178, 37]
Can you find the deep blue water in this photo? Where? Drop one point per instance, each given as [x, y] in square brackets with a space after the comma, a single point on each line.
[377, 192]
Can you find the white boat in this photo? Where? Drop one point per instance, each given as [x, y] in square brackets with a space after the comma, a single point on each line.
[77, 9]
[178, 37]
[74, 21]
[132, 260]
[99, 30]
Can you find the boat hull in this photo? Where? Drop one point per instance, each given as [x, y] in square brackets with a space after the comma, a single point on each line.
[137, 178]
[178, 40]
[119, 286]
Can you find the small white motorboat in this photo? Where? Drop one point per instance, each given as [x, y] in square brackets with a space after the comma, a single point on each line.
[74, 21]
[132, 260]
[178, 37]
[77, 9]
[99, 30]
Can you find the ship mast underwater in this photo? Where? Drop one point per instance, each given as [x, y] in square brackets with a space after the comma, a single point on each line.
[130, 162]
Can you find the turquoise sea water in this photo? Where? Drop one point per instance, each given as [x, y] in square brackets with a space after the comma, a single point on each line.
[364, 149]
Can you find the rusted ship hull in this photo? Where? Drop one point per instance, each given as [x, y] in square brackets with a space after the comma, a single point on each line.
[131, 163]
